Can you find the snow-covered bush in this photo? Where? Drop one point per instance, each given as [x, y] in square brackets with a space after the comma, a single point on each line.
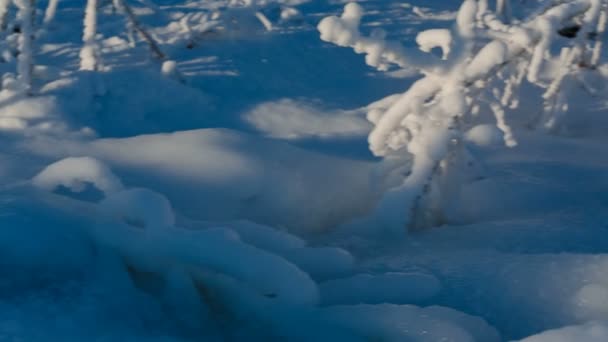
[485, 58]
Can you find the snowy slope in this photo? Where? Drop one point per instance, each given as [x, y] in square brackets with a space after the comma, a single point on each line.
[227, 193]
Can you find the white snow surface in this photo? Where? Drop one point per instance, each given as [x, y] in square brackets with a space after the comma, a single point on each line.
[245, 186]
[74, 172]
[590, 332]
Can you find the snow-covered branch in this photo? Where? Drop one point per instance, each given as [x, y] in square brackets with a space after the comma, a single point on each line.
[426, 120]
[380, 53]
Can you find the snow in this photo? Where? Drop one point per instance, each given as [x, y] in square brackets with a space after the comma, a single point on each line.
[493, 54]
[290, 13]
[485, 135]
[429, 39]
[26, 114]
[231, 175]
[74, 173]
[232, 171]
[391, 287]
[140, 208]
[590, 332]
[290, 119]
[399, 323]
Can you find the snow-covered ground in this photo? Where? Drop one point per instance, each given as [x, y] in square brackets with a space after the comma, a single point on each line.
[228, 193]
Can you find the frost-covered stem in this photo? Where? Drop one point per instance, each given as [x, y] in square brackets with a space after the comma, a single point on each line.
[601, 29]
[264, 20]
[25, 61]
[123, 6]
[151, 5]
[566, 59]
[512, 84]
[588, 27]
[553, 96]
[4, 5]
[117, 6]
[88, 53]
[49, 13]
[501, 123]
[426, 189]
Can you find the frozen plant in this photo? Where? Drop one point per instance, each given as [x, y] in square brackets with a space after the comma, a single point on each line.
[25, 63]
[484, 59]
[4, 6]
[89, 59]
[133, 24]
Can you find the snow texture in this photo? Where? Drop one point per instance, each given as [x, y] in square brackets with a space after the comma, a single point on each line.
[224, 170]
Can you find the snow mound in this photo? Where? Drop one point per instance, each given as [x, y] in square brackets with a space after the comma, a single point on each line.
[409, 323]
[590, 332]
[74, 173]
[318, 262]
[266, 238]
[19, 112]
[322, 262]
[485, 135]
[291, 119]
[224, 175]
[209, 253]
[593, 298]
[142, 208]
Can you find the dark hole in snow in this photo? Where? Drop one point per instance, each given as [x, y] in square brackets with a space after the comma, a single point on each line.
[89, 193]
[437, 51]
[149, 282]
[569, 31]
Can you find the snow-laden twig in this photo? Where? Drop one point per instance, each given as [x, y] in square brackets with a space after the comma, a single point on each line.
[49, 13]
[134, 23]
[380, 53]
[264, 20]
